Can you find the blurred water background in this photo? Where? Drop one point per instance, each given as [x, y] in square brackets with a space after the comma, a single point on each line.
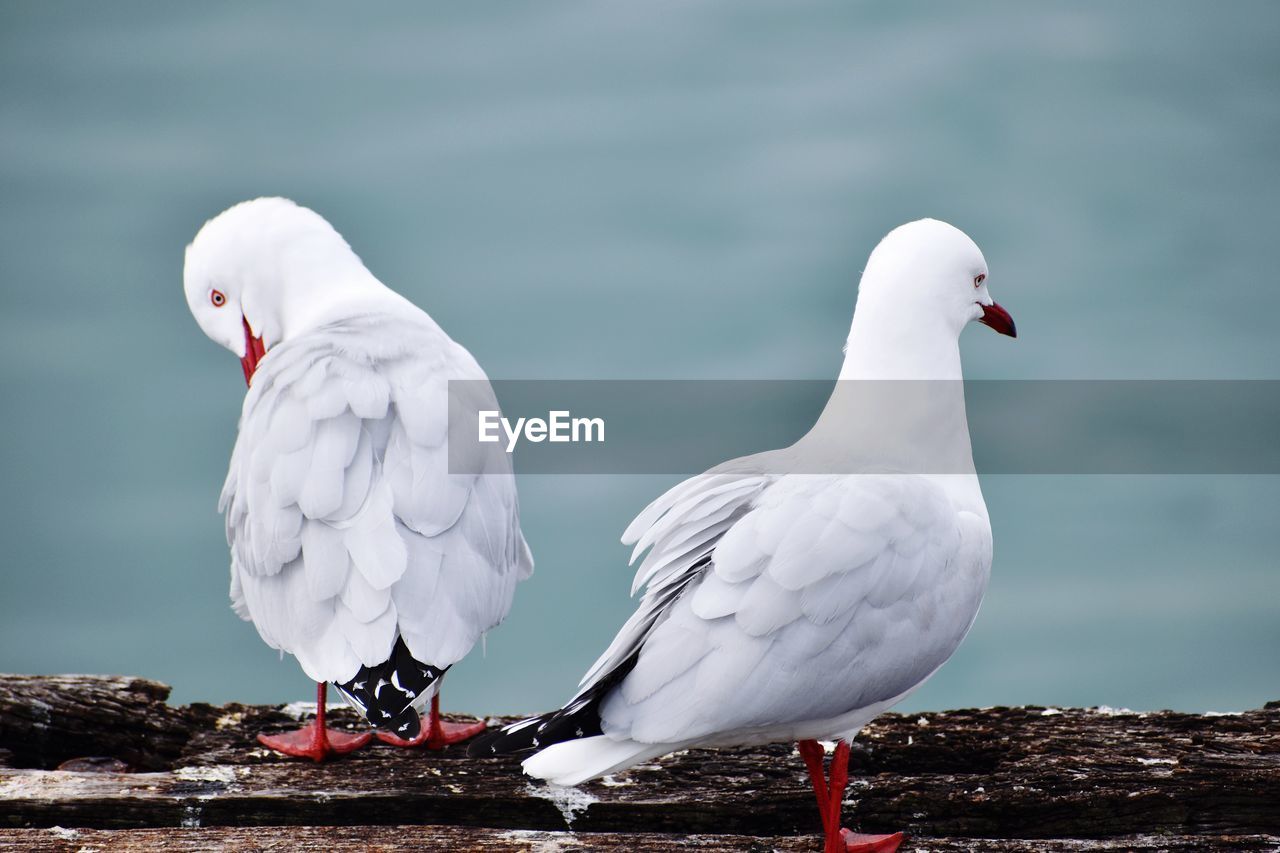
[641, 190]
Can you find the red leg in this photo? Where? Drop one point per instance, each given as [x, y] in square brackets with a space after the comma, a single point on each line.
[811, 752]
[831, 799]
[436, 733]
[839, 780]
[313, 740]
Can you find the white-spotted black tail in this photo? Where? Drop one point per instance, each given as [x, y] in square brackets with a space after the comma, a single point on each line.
[581, 717]
[390, 694]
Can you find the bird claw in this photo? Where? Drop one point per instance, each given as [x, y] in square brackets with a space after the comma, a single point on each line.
[314, 742]
[856, 842]
[456, 733]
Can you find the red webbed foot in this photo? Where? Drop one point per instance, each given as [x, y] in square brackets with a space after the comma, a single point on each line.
[436, 733]
[856, 842]
[436, 737]
[313, 740]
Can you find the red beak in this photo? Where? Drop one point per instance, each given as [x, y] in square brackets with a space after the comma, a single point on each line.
[995, 317]
[253, 353]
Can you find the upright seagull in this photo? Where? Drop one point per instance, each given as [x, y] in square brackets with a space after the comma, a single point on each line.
[796, 594]
[354, 546]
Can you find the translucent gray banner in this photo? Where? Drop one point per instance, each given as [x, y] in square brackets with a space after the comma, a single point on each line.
[823, 427]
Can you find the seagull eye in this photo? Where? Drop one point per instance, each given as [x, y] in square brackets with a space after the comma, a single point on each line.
[977, 282]
[217, 298]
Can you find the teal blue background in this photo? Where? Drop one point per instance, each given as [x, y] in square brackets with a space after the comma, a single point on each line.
[640, 190]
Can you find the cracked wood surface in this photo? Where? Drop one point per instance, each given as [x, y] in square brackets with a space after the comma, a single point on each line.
[1000, 779]
[389, 838]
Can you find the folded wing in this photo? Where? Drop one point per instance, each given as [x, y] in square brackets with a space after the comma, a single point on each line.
[774, 601]
[347, 528]
[825, 597]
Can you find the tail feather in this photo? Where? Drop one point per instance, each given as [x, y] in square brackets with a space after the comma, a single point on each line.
[579, 719]
[390, 694]
[575, 761]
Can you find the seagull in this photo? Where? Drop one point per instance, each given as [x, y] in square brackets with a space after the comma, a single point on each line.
[354, 545]
[796, 594]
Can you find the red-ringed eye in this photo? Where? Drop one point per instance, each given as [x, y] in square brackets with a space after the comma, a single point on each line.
[977, 282]
[217, 298]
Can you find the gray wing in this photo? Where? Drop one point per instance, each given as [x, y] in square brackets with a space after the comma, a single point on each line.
[346, 527]
[680, 530]
[824, 595]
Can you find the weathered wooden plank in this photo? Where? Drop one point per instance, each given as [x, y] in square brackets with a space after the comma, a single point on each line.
[483, 840]
[1015, 774]
[47, 719]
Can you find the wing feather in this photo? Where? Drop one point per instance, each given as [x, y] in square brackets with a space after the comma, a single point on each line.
[346, 527]
[368, 395]
[826, 594]
[369, 639]
[684, 566]
[333, 449]
[374, 543]
[325, 559]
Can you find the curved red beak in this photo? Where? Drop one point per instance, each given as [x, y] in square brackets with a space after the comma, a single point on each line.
[997, 318]
[253, 353]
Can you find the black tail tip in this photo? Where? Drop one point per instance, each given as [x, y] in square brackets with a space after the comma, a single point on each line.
[517, 737]
[406, 725]
[487, 745]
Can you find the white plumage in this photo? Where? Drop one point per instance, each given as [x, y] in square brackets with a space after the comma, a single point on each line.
[796, 594]
[825, 599]
[346, 526]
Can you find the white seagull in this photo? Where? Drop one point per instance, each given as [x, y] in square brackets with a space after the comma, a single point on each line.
[353, 546]
[794, 595]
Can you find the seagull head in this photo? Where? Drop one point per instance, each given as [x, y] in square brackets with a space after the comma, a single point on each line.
[928, 271]
[264, 270]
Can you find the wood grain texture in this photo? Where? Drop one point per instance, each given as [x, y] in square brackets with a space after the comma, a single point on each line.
[994, 779]
[454, 838]
[45, 720]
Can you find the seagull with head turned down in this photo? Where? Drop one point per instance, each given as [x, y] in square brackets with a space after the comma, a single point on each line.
[353, 545]
[795, 595]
